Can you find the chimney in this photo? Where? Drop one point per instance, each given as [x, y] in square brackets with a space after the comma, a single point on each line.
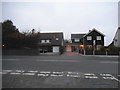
[89, 30]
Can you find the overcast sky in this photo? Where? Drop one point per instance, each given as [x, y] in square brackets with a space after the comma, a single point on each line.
[75, 17]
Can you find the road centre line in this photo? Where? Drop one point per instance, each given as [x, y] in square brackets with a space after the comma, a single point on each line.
[28, 73]
[111, 62]
[57, 60]
[15, 73]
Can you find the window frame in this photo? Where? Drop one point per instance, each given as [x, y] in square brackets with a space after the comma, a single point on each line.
[99, 38]
[76, 40]
[89, 38]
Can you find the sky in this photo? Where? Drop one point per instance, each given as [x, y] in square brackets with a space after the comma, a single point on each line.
[63, 16]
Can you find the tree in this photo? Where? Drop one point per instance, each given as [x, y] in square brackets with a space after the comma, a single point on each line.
[8, 28]
[10, 34]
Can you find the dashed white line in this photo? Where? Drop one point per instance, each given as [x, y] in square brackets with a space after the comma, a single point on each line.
[91, 77]
[15, 73]
[111, 62]
[57, 60]
[57, 72]
[19, 71]
[7, 70]
[72, 75]
[28, 73]
[33, 71]
[105, 74]
[89, 74]
[44, 75]
[53, 75]
[45, 72]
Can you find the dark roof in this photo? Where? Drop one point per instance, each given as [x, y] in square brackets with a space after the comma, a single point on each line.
[73, 36]
[52, 37]
[90, 31]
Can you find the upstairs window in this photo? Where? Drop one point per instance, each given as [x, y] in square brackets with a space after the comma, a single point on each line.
[89, 37]
[57, 39]
[47, 41]
[98, 37]
[77, 40]
[42, 41]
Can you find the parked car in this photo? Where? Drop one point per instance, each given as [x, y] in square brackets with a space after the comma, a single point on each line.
[43, 50]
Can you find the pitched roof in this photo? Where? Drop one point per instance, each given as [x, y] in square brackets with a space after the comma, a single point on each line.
[53, 37]
[77, 36]
[92, 31]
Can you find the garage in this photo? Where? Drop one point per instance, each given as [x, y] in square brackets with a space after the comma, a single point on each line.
[55, 49]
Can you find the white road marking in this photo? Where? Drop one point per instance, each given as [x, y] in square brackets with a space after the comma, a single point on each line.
[15, 73]
[57, 60]
[28, 73]
[111, 62]
[33, 71]
[53, 75]
[7, 70]
[44, 75]
[73, 75]
[57, 72]
[19, 71]
[45, 72]
[89, 74]
[91, 77]
[105, 74]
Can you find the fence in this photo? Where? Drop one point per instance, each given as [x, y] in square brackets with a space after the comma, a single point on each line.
[100, 52]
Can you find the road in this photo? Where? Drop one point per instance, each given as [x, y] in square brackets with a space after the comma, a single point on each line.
[60, 71]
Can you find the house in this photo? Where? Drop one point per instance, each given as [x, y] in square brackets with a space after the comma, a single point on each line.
[51, 42]
[76, 41]
[93, 38]
[116, 40]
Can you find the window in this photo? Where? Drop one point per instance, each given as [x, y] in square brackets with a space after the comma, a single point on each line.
[42, 41]
[47, 41]
[98, 37]
[57, 38]
[89, 37]
[77, 39]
